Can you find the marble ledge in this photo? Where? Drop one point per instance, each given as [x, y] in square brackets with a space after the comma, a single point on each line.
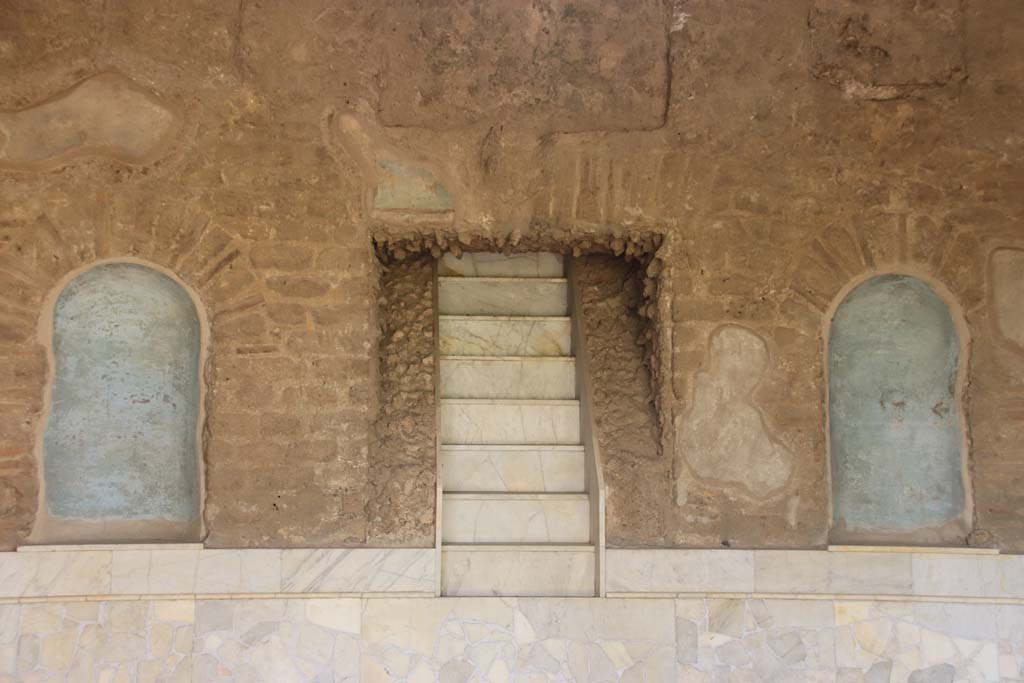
[115, 572]
[813, 572]
[194, 571]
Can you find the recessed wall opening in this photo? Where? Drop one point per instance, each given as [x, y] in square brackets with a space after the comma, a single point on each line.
[897, 443]
[121, 444]
[544, 371]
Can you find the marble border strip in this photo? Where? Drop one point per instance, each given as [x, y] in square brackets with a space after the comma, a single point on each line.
[141, 572]
[154, 571]
[906, 575]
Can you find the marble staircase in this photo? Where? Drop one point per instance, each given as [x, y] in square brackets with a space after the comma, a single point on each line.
[516, 514]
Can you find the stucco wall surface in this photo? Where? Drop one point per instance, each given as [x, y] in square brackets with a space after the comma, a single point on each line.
[780, 151]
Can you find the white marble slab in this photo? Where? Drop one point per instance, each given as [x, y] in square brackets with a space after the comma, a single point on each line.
[595, 640]
[485, 264]
[870, 573]
[535, 639]
[679, 571]
[508, 377]
[524, 639]
[155, 572]
[504, 336]
[73, 547]
[54, 573]
[277, 640]
[358, 570]
[188, 570]
[502, 296]
[929, 574]
[516, 518]
[791, 571]
[977, 575]
[117, 641]
[845, 640]
[438, 640]
[482, 421]
[554, 469]
[239, 571]
[483, 571]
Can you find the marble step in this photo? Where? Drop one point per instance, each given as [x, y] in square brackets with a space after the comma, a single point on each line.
[524, 469]
[504, 336]
[508, 421]
[508, 377]
[516, 518]
[480, 264]
[518, 571]
[502, 296]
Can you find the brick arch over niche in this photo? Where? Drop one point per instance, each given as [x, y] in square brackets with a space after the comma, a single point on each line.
[895, 359]
[120, 450]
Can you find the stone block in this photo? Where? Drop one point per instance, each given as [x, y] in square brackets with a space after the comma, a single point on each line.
[281, 257]
[296, 287]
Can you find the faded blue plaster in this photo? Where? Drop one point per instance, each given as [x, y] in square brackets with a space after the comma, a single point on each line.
[120, 441]
[893, 410]
[411, 188]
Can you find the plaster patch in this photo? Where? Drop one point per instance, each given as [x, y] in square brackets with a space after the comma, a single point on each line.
[106, 115]
[396, 183]
[407, 187]
[724, 437]
[1006, 277]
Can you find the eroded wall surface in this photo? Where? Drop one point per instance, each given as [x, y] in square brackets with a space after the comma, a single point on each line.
[782, 149]
[403, 457]
[628, 432]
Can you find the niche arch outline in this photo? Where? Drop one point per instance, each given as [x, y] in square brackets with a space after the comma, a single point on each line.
[955, 532]
[51, 529]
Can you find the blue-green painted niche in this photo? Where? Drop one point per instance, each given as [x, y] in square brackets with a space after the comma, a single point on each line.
[120, 441]
[893, 410]
[407, 187]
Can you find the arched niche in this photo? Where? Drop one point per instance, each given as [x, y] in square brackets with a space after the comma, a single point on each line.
[120, 447]
[896, 432]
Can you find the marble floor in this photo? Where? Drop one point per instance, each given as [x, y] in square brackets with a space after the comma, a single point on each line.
[459, 640]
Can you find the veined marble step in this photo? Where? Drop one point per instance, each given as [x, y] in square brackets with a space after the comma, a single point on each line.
[502, 296]
[516, 518]
[549, 469]
[489, 335]
[508, 377]
[480, 264]
[509, 421]
[517, 571]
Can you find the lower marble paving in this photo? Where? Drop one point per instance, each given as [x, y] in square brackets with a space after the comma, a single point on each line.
[278, 640]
